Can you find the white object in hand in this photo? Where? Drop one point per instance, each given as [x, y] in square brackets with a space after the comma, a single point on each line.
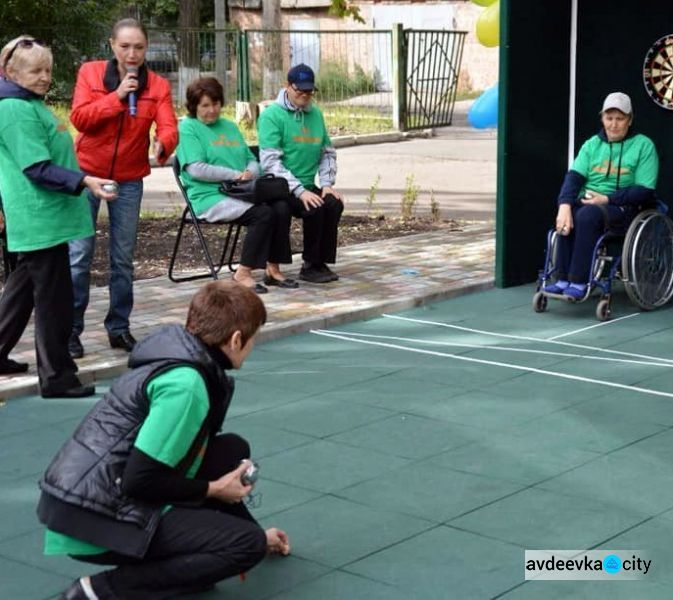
[588, 195]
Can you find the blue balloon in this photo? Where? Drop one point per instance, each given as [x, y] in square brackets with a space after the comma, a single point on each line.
[484, 111]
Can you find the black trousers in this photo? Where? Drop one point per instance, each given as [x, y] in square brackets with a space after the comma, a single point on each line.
[268, 235]
[41, 280]
[320, 226]
[194, 547]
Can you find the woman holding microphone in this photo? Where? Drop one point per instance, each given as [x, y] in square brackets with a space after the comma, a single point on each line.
[115, 104]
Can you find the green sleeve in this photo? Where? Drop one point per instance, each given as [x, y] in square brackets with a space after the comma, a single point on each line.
[269, 131]
[581, 162]
[178, 406]
[190, 149]
[22, 123]
[647, 170]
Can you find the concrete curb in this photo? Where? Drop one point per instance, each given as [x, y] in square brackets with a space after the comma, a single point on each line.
[113, 368]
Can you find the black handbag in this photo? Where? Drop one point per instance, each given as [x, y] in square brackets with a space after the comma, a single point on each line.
[267, 188]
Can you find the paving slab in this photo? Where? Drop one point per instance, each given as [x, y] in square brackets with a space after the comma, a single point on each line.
[375, 277]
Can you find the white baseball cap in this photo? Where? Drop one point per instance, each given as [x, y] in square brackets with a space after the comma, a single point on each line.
[618, 100]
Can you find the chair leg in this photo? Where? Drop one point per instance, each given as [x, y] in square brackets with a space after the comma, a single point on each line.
[212, 271]
[226, 247]
[232, 250]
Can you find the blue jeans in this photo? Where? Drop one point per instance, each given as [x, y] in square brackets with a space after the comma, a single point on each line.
[124, 212]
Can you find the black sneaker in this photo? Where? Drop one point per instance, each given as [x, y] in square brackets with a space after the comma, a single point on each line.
[79, 391]
[124, 341]
[325, 269]
[11, 367]
[314, 274]
[75, 347]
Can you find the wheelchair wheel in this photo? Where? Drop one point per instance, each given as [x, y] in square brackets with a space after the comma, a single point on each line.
[647, 260]
[603, 311]
[539, 302]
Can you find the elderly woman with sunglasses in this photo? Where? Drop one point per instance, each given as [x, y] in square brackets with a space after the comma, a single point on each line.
[41, 187]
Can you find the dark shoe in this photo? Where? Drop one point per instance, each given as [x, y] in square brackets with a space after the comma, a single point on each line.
[287, 283]
[74, 592]
[11, 367]
[125, 341]
[75, 346]
[325, 269]
[79, 391]
[314, 275]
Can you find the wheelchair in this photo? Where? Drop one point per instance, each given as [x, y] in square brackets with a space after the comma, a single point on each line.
[642, 258]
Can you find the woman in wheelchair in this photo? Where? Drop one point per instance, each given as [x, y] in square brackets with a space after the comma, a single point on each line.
[212, 150]
[612, 178]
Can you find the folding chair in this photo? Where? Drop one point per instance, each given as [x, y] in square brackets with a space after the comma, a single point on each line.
[190, 218]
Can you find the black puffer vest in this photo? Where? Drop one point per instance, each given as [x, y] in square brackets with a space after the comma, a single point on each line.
[81, 490]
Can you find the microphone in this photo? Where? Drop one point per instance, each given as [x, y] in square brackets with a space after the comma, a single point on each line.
[133, 107]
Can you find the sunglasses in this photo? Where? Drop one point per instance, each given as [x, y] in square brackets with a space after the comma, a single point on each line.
[25, 43]
[303, 92]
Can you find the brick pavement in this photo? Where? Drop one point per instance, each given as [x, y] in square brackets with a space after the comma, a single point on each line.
[376, 277]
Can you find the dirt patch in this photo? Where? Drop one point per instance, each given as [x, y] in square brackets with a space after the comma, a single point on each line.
[156, 238]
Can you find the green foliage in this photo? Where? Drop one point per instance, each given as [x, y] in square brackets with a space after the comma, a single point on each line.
[334, 82]
[372, 207]
[435, 213]
[165, 13]
[72, 28]
[343, 8]
[409, 199]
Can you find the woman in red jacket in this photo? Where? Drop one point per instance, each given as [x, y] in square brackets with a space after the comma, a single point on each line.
[114, 106]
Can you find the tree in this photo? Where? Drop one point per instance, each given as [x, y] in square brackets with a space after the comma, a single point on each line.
[344, 8]
[67, 26]
[273, 56]
[188, 44]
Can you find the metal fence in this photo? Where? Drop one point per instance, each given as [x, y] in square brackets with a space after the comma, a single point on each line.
[201, 53]
[353, 68]
[392, 78]
[433, 60]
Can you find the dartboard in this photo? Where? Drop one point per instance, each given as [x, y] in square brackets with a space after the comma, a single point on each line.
[658, 72]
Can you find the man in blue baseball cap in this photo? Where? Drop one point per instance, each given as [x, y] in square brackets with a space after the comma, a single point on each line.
[294, 144]
[302, 77]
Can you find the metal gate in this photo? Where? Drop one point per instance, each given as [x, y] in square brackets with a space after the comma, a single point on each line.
[433, 60]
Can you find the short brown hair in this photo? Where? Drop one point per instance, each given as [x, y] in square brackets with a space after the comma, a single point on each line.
[220, 308]
[204, 86]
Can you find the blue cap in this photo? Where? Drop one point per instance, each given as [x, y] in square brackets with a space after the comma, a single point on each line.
[302, 77]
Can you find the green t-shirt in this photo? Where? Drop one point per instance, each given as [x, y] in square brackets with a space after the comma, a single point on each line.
[36, 217]
[178, 406]
[220, 144]
[639, 164]
[300, 135]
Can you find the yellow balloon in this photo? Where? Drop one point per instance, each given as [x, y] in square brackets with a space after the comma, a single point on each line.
[484, 2]
[488, 25]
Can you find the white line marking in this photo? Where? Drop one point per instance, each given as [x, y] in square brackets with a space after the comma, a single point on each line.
[556, 337]
[501, 348]
[530, 339]
[620, 386]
